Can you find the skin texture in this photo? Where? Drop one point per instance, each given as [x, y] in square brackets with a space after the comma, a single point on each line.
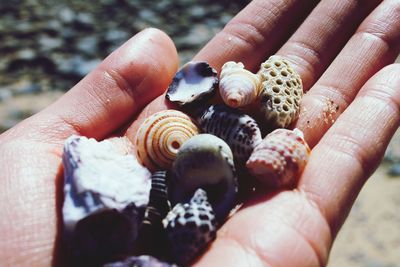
[340, 50]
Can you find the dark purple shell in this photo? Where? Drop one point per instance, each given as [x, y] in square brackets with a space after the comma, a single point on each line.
[196, 81]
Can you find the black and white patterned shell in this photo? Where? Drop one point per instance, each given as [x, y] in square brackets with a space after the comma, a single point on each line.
[139, 261]
[190, 228]
[238, 130]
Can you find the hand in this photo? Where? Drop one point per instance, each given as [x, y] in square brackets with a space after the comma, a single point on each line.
[287, 228]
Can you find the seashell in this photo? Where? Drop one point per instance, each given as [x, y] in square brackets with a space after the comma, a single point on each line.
[238, 87]
[281, 92]
[196, 81]
[161, 135]
[238, 130]
[98, 176]
[190, 228]
[280, 158]
[205, 161]
[140, 261]
[158, 206]
[150, 239]
[105, 193]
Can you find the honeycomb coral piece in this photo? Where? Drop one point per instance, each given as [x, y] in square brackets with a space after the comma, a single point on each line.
[280, 158]
[281, 92]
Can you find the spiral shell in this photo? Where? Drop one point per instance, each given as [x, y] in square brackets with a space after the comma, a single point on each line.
[190, 228]
[158, 206]
[238, 87]
[205, 161]
[238, 130]
[150, 239]
[160, 137]
[281, 92]
[280, 158]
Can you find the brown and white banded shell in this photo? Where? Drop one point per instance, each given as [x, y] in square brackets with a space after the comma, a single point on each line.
[161, 135]
[280, 93]
[238, 87]
[280, 158]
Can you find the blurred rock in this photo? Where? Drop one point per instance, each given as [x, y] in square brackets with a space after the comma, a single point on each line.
[51, 45]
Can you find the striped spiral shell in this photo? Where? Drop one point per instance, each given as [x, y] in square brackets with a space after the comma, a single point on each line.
[161, 135]
[238, 130]
[280, 158]
[158, 206]
[151, 233]
[238, 87]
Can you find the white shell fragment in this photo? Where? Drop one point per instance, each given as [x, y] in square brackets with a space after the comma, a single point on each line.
[99, 177]
[238, 87]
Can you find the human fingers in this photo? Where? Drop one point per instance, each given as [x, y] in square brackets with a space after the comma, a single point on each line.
[375, 44]
[302, 223]
[256, 32]
[111, 94]
[353, 147]
[319, 39]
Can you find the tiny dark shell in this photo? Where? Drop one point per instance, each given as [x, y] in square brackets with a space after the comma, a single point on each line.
[140, 261]
[152, 239]
[193, 83]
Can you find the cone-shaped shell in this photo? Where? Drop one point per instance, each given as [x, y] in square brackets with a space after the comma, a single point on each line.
[161, 135]
[205, 161]
[238, 87]
[280, 93]
[280, 158]
[190, 227]
[238, 130]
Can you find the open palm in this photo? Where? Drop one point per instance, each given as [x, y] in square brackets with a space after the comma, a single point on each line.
[339, 51]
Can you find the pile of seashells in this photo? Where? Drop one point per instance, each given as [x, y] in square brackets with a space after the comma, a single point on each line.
[193, 163]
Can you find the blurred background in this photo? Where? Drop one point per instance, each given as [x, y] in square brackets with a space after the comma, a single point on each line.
[46, 46]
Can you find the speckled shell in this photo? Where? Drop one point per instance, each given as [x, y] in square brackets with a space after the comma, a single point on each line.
[238, 130]
[281, 92]
[195, 82]
[161, 135]
[205, 161]
[280, 159]
[140, 261]
[190, 228]
[238, 87]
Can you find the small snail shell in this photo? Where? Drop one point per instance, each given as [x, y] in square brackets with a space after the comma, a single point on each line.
[280, 158]
[160, 137]
[238, 130]
[238, 87]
